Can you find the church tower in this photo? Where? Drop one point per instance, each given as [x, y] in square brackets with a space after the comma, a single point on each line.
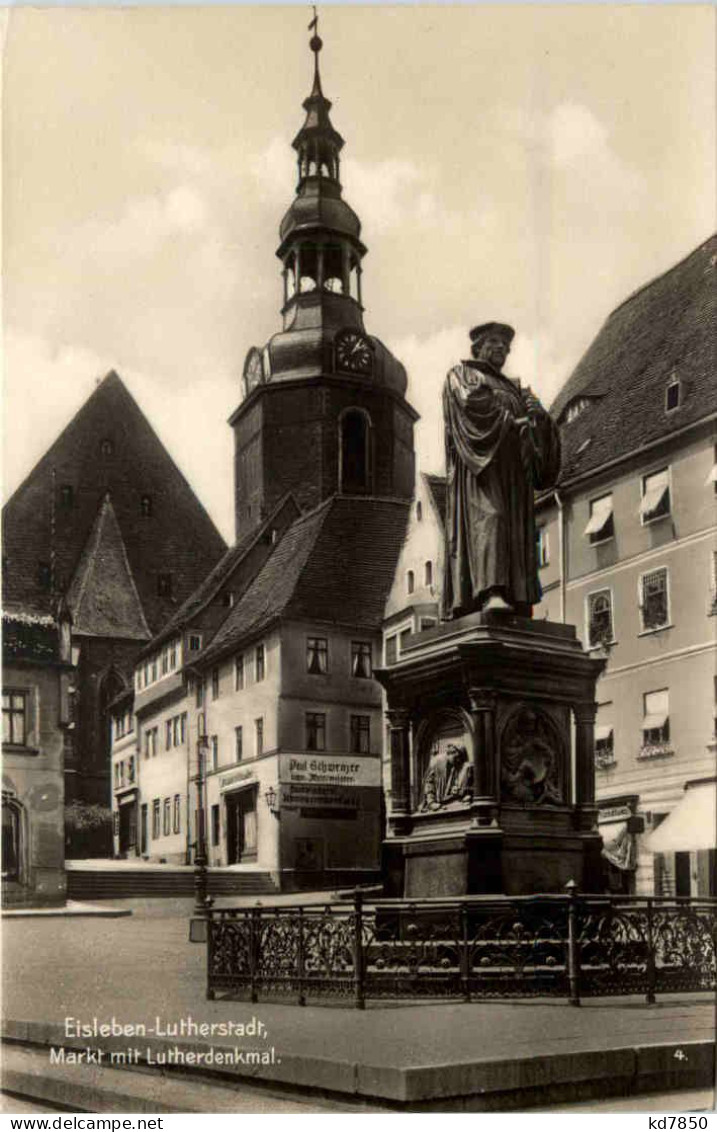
[324, 409]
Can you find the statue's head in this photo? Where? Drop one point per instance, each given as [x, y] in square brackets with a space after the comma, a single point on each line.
[491, 343]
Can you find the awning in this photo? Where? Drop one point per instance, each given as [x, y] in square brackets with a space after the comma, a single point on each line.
[653, 720]
[618, 845]
[601, 512]
[603, 733]
[652, 499]
[692, 824]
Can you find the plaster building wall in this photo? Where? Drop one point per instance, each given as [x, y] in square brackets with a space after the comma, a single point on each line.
[35, 718]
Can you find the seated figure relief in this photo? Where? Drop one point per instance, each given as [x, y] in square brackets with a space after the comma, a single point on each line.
[448, 779]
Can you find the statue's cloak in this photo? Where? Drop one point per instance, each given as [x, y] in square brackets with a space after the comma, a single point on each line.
[495, 459]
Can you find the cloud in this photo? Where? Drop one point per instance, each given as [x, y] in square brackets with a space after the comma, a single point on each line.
[579, 143]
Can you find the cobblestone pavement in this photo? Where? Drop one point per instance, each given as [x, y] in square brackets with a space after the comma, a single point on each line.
[142, 967]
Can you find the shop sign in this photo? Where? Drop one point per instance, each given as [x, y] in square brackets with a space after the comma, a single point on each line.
[227, 780]
[329, 770]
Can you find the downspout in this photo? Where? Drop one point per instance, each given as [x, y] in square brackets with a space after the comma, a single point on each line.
[561, 552]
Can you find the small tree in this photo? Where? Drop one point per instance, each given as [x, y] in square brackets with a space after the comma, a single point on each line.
[88, 829]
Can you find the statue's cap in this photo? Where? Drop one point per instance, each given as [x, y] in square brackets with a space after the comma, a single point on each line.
[500, 328]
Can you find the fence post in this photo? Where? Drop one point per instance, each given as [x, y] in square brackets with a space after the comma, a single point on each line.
[573, 956]
[651, 970]
[254, 930]
[210, 923]
[300, 957]
[465, 956]
[358, 951]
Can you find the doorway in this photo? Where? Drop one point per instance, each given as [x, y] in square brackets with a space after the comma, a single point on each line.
[128, 829]
[241, 825]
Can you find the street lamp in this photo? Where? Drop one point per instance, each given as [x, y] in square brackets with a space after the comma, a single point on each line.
[272, 801]
[202, 901]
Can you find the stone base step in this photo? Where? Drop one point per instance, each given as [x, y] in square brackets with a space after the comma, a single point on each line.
[108, 884]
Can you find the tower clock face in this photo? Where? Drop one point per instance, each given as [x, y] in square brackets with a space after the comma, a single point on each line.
[354, 352]
[253, 370]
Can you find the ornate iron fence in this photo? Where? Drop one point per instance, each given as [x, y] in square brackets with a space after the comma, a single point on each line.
[512, 947]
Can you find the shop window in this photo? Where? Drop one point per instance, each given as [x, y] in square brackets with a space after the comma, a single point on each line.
[654, 600]
[360, 734]
[361, 659]
[315, 731]
[655, 502]
[601, 526]
[14, 717]
[599, 618]
[317, 655]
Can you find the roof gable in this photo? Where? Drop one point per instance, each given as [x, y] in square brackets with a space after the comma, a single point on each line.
[102, 597]
[663, 331]
[109, 445]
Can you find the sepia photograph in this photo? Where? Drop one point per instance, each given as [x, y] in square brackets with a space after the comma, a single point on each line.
[359, 560]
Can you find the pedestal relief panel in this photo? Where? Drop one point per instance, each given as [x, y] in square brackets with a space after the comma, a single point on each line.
[533, 759]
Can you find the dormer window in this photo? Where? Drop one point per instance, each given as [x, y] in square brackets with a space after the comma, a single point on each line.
[106, 447]
[672, 394]
[164, 585]
[67, 496]
[573, 410]
[145, 505]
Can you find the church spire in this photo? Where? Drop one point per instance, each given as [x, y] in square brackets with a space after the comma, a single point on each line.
[321, 247]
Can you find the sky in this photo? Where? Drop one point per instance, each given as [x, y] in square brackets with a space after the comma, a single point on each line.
[530, 164]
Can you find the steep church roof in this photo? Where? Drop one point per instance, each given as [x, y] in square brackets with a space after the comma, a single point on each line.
[662, 333]
[103, 597]
[109, 446]
[335, 564]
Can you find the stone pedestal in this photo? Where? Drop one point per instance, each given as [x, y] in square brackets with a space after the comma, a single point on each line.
[492, 760]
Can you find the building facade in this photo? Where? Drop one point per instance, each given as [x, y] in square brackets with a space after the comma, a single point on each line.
[264, 723]
[628, 552]
[37, 685]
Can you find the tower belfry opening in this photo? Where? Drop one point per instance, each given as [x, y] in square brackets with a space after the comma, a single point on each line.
[324, 408]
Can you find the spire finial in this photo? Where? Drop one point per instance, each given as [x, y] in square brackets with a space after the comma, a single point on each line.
[315, 43]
